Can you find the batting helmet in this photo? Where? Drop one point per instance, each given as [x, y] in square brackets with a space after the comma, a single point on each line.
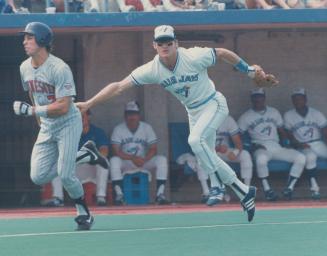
[42, 33]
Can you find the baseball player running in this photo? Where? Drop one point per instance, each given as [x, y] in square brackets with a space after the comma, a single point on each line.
[183, 72]
[49, 82]
[263, 123]
[307, 128]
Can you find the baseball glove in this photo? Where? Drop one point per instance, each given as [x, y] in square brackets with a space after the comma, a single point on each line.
[262, 79]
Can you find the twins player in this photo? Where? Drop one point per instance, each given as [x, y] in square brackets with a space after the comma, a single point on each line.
[49, 82]
[307, 128]
[88, 171]
[134, 145]
[183, 72]
[263, 123]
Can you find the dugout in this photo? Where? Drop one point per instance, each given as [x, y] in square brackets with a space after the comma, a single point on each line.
[104, 47]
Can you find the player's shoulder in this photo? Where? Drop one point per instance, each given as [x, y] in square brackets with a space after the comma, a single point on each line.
[247, 113]
[195, 51]
[25, 64]
[289, 113]
[145, 125]
[272, 110]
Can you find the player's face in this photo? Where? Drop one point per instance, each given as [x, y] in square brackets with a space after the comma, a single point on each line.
[166, 49]
[30, 46]
[132, 120]
[299, 101]
[258, 102]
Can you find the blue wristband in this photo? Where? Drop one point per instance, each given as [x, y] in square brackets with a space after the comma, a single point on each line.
[242, 66]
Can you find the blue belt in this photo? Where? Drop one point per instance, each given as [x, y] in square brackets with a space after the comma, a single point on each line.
[198, 104]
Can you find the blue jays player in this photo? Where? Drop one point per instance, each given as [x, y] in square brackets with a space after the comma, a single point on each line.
[183, 72]
[263, 123]
[134, 144]
[49, 82]
[307, 128]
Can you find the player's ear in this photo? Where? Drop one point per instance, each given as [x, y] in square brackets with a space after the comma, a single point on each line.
[176, 43]
[154, 45]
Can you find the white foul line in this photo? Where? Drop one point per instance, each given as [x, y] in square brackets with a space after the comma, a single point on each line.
[163, 228]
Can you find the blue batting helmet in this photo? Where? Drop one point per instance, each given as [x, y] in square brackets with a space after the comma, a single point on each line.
[42, 33]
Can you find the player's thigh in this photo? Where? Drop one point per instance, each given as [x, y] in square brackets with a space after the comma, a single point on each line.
[68, 140]
[206, 121]
[320, 148]
[44, 154]
[288, 155]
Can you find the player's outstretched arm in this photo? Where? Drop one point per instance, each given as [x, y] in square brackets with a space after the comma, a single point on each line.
[255, 72]
[105, 94]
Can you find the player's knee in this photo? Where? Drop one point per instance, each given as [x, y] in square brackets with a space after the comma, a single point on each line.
[311, 160]
[36, 179]
[115, 162]
[261, 160]
[195, 143]
[300, 159]
[162, 161]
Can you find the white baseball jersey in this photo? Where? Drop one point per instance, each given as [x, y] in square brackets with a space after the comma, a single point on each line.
[261, 126]
[136, 143]
[184, 81]
[227, 129]
[52, 80]
[305, 129]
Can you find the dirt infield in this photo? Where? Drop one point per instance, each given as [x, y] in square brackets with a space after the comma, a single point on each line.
[21, 213]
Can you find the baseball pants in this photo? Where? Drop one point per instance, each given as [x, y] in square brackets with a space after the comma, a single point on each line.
[276, 152]
[204, 121]
[157, 163]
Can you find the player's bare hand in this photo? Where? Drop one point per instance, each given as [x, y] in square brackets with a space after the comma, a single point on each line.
[231, 156]
[138, 161]
[83, 106]
[222, 149]
[262, 79]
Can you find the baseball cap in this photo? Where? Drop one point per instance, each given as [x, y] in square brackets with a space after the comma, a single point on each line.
[164, 33]
[132, 106]
[299, 91]
[258, 91]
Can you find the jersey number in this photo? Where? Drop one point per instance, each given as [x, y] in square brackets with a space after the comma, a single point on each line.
[184, 91]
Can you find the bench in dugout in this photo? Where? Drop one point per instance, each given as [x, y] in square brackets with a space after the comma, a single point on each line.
[178, 135]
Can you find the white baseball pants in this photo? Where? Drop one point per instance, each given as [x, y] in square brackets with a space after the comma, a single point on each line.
[274, 151]
[157, 163]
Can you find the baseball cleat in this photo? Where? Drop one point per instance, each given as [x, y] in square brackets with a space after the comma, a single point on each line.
[248, 203]
[161, 199]
[216, 196]
[204, 199]
[287, 193]
[54, 202]
[315, 195]
[270, 195]
[119, 200]
[96, 158]
[84, 222]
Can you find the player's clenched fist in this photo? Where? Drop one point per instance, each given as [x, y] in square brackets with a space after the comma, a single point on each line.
[22, 108]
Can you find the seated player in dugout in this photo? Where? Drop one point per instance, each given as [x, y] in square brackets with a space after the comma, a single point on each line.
[307, 130]
[264, 125]
[96, 173]
[134, 145]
